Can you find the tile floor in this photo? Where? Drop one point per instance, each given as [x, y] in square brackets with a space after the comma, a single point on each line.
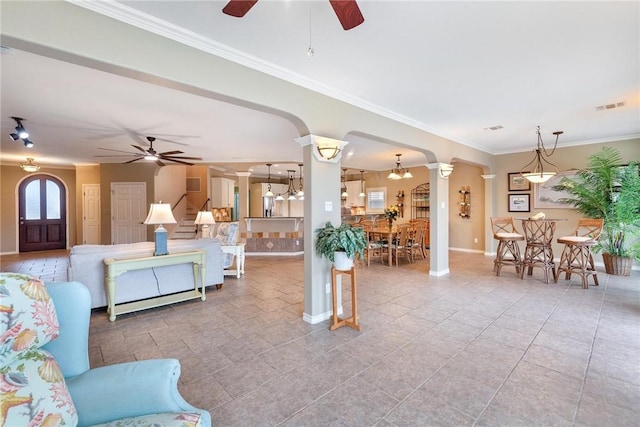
[469, 348]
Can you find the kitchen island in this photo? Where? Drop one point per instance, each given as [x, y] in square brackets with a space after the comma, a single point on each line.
[275, 235]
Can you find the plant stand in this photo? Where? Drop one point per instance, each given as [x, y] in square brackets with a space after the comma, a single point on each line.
[352, 321]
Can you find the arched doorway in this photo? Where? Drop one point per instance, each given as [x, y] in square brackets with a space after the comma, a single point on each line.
[42, 214]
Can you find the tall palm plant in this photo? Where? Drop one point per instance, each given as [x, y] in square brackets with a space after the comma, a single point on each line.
[611, 191]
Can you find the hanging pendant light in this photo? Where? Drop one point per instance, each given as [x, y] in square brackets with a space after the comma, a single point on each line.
[269, 193]
[538, 175]
[301, 190]
[362, 194]
[291, 190]
[344, 194]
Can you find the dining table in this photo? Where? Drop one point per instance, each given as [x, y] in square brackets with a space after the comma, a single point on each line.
[390, 232]
[538, 235]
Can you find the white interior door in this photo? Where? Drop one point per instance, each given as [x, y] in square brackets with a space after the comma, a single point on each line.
[128, 211]
[91, 229]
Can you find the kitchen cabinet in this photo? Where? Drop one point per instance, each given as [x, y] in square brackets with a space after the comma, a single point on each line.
[354, 199]
[222, 190]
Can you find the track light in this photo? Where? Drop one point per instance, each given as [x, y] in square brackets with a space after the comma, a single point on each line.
[20, 133]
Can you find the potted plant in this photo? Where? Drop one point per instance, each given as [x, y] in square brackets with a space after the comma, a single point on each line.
[340, 244]
[611, 191]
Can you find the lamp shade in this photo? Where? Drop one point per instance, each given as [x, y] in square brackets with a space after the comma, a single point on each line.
[204, 217]
[160, 213]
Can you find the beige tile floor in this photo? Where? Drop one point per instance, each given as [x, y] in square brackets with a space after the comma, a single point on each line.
[469, 348]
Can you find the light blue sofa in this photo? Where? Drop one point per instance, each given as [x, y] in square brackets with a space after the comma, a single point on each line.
[45, 378]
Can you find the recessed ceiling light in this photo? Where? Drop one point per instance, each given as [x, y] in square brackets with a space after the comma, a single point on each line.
[496, 127]
[610, 106]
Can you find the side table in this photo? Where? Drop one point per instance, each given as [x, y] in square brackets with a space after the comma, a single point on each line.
[352, 321]
[116, 267]
[238, 251]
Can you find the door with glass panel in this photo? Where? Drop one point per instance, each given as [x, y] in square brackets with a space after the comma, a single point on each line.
[42, 214]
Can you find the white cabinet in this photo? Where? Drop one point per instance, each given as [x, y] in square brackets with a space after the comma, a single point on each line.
[353, 190]
[222, 192]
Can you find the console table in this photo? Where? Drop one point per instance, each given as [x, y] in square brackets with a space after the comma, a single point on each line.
[118, 266]
[238, 251]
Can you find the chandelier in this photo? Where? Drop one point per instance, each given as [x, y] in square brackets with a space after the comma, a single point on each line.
[399, 172]
[538, 175]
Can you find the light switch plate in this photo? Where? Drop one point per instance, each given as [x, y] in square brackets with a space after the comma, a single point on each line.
[328, 206]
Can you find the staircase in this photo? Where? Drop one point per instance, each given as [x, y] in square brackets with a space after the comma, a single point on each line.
[186, 229]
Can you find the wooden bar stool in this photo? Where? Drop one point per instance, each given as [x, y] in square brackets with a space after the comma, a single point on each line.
[576, 255]
[508, 252]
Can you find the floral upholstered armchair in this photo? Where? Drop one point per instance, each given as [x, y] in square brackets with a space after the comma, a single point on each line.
[45, 377]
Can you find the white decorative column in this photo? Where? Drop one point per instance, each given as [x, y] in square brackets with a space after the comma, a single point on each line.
[439, 221]
[490, 245]
[321, 205]
[243, 199]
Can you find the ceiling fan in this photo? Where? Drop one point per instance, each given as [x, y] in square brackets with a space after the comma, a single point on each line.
[152, 155]
[347, 11]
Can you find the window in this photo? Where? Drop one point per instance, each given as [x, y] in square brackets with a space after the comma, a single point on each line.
[376, 199]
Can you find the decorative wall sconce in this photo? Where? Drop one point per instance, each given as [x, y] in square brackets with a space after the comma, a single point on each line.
[324, 149]
[445, 169]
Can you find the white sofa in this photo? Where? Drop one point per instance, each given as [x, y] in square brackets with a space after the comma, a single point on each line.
[86, 265]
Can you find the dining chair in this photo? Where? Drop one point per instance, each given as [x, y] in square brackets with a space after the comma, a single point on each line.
[576, 256]
[415, 242]
[424, 224]
[374, 241]
[508, 252]
[400, 243]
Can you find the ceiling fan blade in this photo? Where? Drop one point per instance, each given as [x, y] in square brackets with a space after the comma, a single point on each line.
[348, 13]
[178, 161]
[238, 8]
[134, 160]
[181, 157]
[159, 163]
[139, 148]
[169, 153]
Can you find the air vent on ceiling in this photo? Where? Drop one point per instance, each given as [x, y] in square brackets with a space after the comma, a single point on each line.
[497, 127]
[610, 106]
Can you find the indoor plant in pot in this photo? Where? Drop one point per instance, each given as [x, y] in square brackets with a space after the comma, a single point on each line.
[340, 244]
[609, 190]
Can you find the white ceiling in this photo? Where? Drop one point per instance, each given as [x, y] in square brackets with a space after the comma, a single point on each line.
[451, 68]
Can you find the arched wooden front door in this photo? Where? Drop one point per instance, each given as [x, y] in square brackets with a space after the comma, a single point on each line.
[42, 214]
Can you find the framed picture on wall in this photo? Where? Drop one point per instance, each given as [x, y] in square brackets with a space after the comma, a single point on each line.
[519, 203]
[518, 183]
[546, 197]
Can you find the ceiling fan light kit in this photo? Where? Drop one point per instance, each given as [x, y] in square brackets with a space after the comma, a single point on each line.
[30, 166]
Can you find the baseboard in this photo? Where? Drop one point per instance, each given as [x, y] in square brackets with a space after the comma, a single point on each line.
[439, 273]
[474, 251]
[320, 317]
[273, 253]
